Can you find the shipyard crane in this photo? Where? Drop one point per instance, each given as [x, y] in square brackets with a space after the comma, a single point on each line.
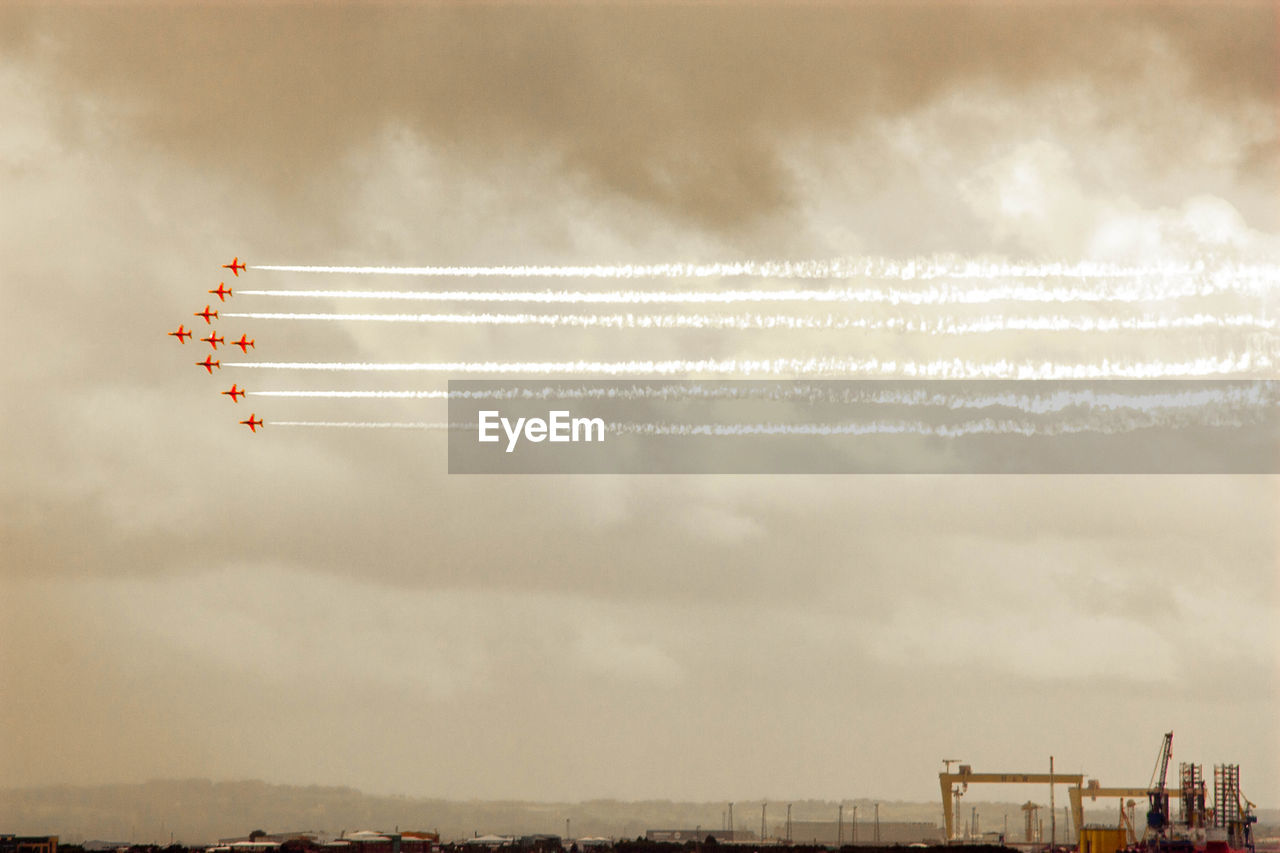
[1095, 790]
[956, 792]
[953, 785]
[1157, 795]
[1126, 821]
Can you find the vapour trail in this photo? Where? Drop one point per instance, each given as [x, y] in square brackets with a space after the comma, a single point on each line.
[983, 426]
[744, 322]
[955, 368]
[1137, 290]
[362, 395]
[1252, 397]
[838, 268]
[369, 425]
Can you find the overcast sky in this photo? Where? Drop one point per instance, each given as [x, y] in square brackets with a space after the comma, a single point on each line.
[181, 598]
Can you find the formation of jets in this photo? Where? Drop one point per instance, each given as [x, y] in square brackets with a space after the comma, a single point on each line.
[245, 342]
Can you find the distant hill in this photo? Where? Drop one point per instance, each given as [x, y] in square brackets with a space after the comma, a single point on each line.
[198, 811]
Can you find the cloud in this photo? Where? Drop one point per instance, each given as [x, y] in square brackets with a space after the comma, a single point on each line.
[679, 108]
[1033, 202]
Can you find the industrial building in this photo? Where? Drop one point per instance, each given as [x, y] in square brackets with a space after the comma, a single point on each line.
[829, 833]
[699, 833]
[364, 841]
[832, 833]
[28, 844]
[369, 841]
[276, 838]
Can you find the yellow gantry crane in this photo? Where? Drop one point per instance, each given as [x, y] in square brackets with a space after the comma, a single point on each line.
[955, 784]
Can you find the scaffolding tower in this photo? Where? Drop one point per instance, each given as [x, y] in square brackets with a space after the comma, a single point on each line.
[1191, 797]
[1231, 811]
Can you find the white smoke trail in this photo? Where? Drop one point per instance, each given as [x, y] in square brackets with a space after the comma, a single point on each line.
[372, 425]
[829, 322]
[1139, 289]
[839, 268]
[356, 395]
[1252, 397]
[955, 368]
[983, 426]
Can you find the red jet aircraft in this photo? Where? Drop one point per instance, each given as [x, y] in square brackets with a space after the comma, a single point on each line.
[234, 266]
[252, 424]
[244, 343]
[180, 334]
[233, 393]
[223, 292]
[214, 339]
[209, 364]
[206, 314]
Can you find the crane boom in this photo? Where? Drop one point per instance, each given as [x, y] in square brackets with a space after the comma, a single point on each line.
[1158, 796]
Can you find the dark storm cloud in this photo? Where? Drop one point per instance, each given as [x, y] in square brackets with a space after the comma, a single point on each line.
[678, 107]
